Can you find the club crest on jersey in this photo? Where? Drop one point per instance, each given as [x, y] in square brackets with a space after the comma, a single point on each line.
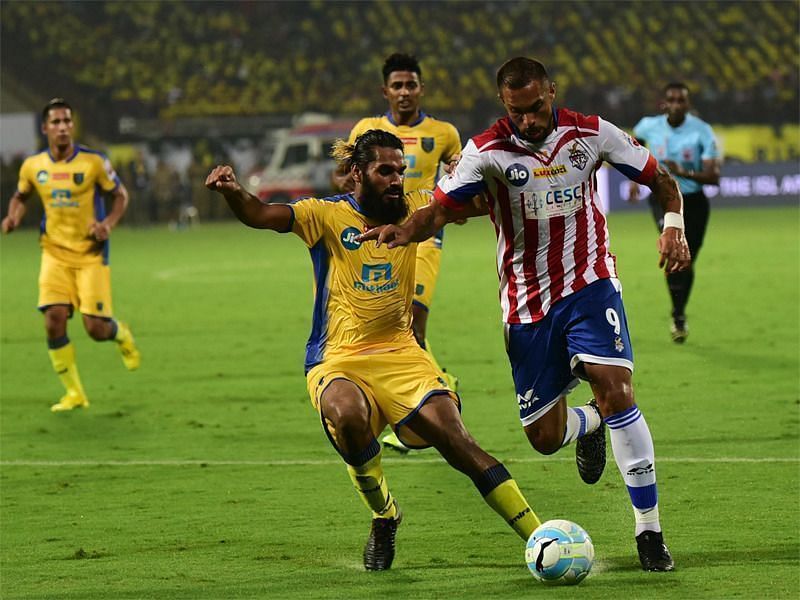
[517, 174]
[77, 178]
[619, 346]
[578, 157]
[428, 143]
[349, 240]
[42, 176]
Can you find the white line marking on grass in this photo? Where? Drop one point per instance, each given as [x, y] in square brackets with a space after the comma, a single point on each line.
[332, 461]
[218, 272]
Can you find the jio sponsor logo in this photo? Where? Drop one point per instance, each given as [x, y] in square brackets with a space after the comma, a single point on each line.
[517, 174]
[349, 240]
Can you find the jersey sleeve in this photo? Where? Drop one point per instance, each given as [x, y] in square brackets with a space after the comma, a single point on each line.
[625, 154]
[25, 183]
[309, 217]
[107, 177]
[457, 189]
[358, 129]
[709, 143]
[452, 143]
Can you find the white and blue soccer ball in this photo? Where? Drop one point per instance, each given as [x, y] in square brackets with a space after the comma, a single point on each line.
[559, 552]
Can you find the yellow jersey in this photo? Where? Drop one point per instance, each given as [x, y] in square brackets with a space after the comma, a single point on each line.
[71, 191]
[426, 143]
[363, 292]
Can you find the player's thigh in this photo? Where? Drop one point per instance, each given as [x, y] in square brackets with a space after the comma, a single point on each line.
[94, 290]
[598, 332]
[338, 390]
[540, 367]
[404, 380]
[429, 258]
[57, 283]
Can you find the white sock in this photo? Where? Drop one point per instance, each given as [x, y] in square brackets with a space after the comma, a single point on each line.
[580, 421]
[633, 451]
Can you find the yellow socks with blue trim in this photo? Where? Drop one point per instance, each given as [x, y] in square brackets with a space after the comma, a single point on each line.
[370, 483]
[500, 492]
[62, 356]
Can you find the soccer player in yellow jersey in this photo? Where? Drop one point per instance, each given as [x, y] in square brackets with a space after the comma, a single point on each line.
[70, 180]
[364, 369]
[427, 142]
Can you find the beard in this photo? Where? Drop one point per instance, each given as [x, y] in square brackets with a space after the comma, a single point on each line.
[377, 206]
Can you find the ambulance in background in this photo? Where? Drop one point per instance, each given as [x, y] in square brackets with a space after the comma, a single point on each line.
[300, 163]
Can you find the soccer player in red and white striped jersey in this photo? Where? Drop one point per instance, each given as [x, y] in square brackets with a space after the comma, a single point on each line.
[559, 290]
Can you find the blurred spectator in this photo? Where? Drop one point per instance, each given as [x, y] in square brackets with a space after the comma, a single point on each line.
[165, 204]
[181, 59]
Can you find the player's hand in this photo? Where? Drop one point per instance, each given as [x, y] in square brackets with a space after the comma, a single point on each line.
[9, 224]
[451, 164]
[100, 231]
[633, 192]
[674, 251]
[222, 179]
[391, 235]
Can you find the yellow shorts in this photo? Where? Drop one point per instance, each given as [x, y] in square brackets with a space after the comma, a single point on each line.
[429, 257]
[396, 384]
[86, 287]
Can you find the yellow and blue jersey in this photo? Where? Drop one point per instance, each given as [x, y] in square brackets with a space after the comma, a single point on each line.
[71, 191]
[426, 143]
[363, 292]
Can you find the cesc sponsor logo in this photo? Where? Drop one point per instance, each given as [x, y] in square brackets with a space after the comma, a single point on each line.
[349, 240]
[551, 203]
[517, 174]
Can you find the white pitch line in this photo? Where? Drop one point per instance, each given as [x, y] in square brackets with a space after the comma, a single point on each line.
[330, 462]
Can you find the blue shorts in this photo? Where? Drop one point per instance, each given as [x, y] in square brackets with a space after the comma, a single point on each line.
[547, 357]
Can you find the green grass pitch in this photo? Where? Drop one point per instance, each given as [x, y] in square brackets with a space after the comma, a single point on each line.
[206, 475]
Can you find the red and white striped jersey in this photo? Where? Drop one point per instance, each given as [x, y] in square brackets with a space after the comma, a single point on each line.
[552, 238]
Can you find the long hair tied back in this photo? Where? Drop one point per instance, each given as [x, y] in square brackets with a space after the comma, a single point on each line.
[361, 152]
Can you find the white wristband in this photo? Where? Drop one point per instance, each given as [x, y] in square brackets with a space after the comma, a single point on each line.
[673, 219]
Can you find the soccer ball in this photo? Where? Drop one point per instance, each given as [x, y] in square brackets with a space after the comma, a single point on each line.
[559, 552]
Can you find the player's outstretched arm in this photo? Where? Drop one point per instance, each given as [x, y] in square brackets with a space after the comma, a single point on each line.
[246, 206]
[672, 246]
[420, 226]
[16, 210]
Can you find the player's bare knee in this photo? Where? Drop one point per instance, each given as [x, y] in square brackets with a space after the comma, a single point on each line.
[613, 397]
[98, 329]
[344, 405]
[55, 323]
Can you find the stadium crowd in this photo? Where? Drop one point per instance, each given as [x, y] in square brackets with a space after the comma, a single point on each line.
[177, 59]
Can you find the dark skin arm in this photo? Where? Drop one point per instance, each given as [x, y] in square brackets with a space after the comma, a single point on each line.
[246, 206]
[101, 230]
[672, 246]
[709, 175]
[16, 210]
[422, 224]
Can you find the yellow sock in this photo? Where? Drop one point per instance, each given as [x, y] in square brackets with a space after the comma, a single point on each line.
[63, 359]
[123, 333]
[507, 501]
[370, 484]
